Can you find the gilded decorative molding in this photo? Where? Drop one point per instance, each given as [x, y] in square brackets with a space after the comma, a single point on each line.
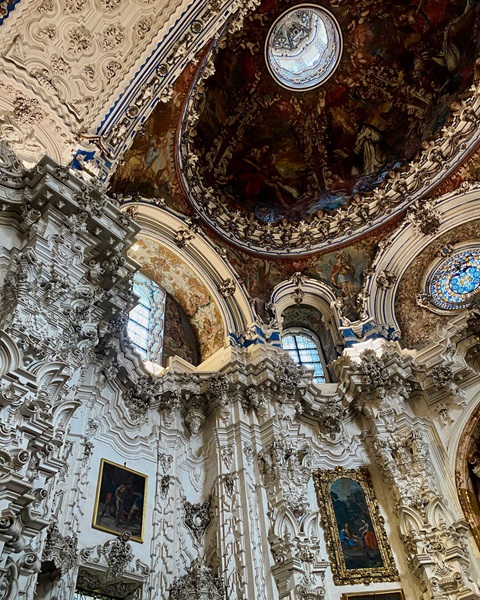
[343, 574]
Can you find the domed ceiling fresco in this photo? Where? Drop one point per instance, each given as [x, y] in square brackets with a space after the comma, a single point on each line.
[259, 162]
[149, 167]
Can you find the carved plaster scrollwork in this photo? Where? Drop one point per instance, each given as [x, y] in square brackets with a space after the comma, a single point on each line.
[386, 279]
[165, 461]
[115, 555]
[61, 550]
[444, 379]
[217, 390]
[286, 469]
[287, 375]
[119, 555]
[433, 539]
[198, 583]
[195, 420]
[424, 217]
[296, 551]
[197, 518]
[227, 288]
[402, 187]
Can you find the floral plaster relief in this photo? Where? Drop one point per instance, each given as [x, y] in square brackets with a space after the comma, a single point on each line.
[418, 325]
[78, 51]
[179, 280]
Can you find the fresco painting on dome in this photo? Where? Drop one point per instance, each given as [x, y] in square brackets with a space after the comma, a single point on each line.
[356, 540]
[283, 154]
[343, 270]
[147, 168]
[120, 500]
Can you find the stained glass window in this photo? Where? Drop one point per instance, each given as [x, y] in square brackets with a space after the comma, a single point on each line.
[145, 323]
[456, 280]
[304, 350]
[303, 47]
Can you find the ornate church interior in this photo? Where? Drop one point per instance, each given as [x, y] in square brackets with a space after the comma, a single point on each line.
[239, 300]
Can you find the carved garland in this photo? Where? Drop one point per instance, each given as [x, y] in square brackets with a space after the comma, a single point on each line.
[402, 187]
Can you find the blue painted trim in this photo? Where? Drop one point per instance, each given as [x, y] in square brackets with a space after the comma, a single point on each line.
[148, 68]
[10, 8]
[76, 164]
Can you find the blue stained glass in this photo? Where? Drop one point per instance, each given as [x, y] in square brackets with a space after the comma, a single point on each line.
[456, 280]
[304, 351]
[288, 342]
[304, 342]
[465, 281]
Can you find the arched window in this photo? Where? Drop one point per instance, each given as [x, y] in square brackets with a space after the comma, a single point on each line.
[146, 322]
[304, 348]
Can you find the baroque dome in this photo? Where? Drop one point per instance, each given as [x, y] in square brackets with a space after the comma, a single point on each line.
[277, 170]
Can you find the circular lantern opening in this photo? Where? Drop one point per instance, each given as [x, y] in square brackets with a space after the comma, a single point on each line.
[303, 47]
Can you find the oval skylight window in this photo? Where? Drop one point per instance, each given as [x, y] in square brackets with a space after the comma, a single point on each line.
[303, 47]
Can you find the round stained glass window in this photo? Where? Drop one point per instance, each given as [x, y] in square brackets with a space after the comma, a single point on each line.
[456, 280]
[303, 47]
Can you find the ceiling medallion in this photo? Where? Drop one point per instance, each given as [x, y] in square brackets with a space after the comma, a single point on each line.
[303, 47]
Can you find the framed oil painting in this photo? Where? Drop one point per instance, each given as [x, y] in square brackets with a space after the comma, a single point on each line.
[393, 595]
[120, 500]
[356, 539]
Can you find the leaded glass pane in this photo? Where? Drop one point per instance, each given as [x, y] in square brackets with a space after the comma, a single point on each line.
[145, 325]
[305, 342]
[456, 280]
[288, 342]
[303, 349]
[294, 355]
[310, 355]
[140, 315]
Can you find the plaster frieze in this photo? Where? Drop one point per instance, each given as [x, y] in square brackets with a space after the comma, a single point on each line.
[198, 583]
[403, 187]
[397, 252]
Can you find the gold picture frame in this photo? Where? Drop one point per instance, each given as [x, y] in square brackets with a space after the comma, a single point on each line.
[120, 500]
[390, 595]
[354, 529]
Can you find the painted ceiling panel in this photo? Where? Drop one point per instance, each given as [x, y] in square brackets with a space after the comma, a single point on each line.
[179, 280]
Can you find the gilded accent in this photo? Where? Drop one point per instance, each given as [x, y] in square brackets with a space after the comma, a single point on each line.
[341, 574]
[118, 531]
[465, 455]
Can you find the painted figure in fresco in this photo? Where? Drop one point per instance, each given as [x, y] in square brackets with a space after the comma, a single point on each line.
[122, 496]
[347, 537]
[371, 147]
[369, 539]
[456, 48]
[264, 176]
[137, 507]
[343, 274]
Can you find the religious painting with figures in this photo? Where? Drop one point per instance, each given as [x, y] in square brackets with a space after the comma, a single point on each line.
[120, 500]
[356, 539]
